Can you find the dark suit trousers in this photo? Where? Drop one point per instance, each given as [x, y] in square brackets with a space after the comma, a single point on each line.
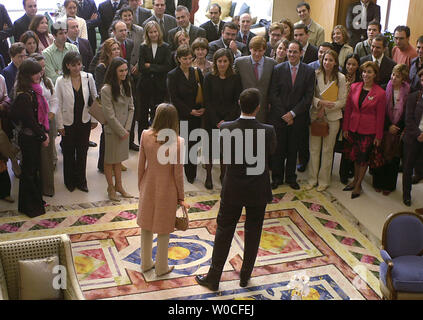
[286, 150]
[190, 168]
[100, 163]
[227, 220]
[413, 153]
[30, 185]
[75, 148]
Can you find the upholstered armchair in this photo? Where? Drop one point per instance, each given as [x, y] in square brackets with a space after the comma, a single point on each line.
[401, 272]
[11, 252]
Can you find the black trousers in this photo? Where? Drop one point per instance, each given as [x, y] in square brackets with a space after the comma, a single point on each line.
[100, 162]
[30, 185]
[284, 160]
[303, 147]
[386, 176]
[5, 184]
[227, 220]
[75, 148]
[413, 153]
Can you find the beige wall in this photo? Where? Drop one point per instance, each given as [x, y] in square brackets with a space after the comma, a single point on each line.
[414, 20]
[285, 9]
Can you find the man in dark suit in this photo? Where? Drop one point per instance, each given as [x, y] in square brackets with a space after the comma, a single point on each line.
[165, 21]
[17, 53]
[6, 31]
[83, 45]
[228, 41]
[310, 52]
[140, 14]
[87, 10]
[242, 186]
[21, 25]
[413, 140]
[172, 4]
[291, 94]
[107, 11]
[214, 26]
[359, 15]
[182, 19]
[416, 66]
[245, 35]
[385, 63]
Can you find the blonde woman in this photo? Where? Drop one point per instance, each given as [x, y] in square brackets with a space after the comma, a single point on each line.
[340, 43]
[330, 96]
[161, 188]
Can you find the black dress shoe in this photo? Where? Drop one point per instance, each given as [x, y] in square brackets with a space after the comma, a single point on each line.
[70, 188]
[202, 281]
[209, 184]
[92, 144]
[301, 168]
[243, 282]
[294, 185]
[407, 202]
[134, 147]
[191, 180]
[83, 188]
[276, 183]
[348, 188]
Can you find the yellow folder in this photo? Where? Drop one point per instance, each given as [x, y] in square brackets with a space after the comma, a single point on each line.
[331, 93]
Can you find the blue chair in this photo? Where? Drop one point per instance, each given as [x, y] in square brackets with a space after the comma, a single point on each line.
[401, 273]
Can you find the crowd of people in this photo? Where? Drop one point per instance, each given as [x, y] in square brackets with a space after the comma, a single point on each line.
[352, 95]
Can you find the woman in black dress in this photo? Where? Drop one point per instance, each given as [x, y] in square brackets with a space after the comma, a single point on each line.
[33, 134]
[222, 88]
[154, 63]
[183, 87]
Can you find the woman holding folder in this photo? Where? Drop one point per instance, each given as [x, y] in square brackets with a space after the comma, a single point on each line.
[329, 99]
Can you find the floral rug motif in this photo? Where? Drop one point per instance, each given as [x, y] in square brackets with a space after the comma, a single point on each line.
[303, 234]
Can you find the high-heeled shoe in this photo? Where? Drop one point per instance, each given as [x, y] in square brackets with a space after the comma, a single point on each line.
[355, 195]
[349, 187]
[167, 272]
[112, 193]
[123, 192]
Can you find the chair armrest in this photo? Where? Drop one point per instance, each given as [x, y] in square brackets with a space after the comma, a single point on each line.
[385, 256]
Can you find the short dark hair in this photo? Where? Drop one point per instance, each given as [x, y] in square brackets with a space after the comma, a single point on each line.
[403, 29]
[70, 58]
[249, 99]
[183, 51]
[381, 38]
[326, 45]
[16, 48]
[420, 39]
[125, 8]
[296, 42]
[58, 25]
[303, 4]
[216, 5]
[375, 23]
[301, 26]
[230, 25]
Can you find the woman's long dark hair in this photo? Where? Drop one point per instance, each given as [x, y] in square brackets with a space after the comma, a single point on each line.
[26, 70]
[357, 73]
[112, 79]
[49, 85]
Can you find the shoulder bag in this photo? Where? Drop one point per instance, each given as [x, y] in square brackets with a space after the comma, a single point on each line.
[94, 107]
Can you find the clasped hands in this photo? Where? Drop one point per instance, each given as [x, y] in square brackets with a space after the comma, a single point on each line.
[198, 112]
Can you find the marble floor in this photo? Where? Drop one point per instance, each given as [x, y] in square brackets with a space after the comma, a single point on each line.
[370, 209]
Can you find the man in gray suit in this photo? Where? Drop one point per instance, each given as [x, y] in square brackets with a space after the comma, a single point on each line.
[140, 14]
[182, 19]
[255, 71]
[165, 21]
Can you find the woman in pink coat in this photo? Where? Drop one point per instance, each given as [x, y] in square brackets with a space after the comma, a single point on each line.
[363, 122]
[161, 186]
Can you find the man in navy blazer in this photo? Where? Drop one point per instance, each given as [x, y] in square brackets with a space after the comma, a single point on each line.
[6, 31]
[291, 94]
[107, 11]
[245, 184]
[17, 53]
[87, 10]
[214, 26]
[310, 52]
[21, 25]
[83, 45]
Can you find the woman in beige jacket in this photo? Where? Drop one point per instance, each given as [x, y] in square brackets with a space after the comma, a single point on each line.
[118, 109]
[329, 99]
[161, 186]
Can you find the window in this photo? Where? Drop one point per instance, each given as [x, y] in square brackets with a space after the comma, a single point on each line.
[393, 13]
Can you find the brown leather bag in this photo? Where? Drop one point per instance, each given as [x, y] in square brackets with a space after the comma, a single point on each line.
[199, 100]
[319, 128]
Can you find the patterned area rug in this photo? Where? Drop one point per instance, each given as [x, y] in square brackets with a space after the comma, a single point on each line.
[303, 234]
